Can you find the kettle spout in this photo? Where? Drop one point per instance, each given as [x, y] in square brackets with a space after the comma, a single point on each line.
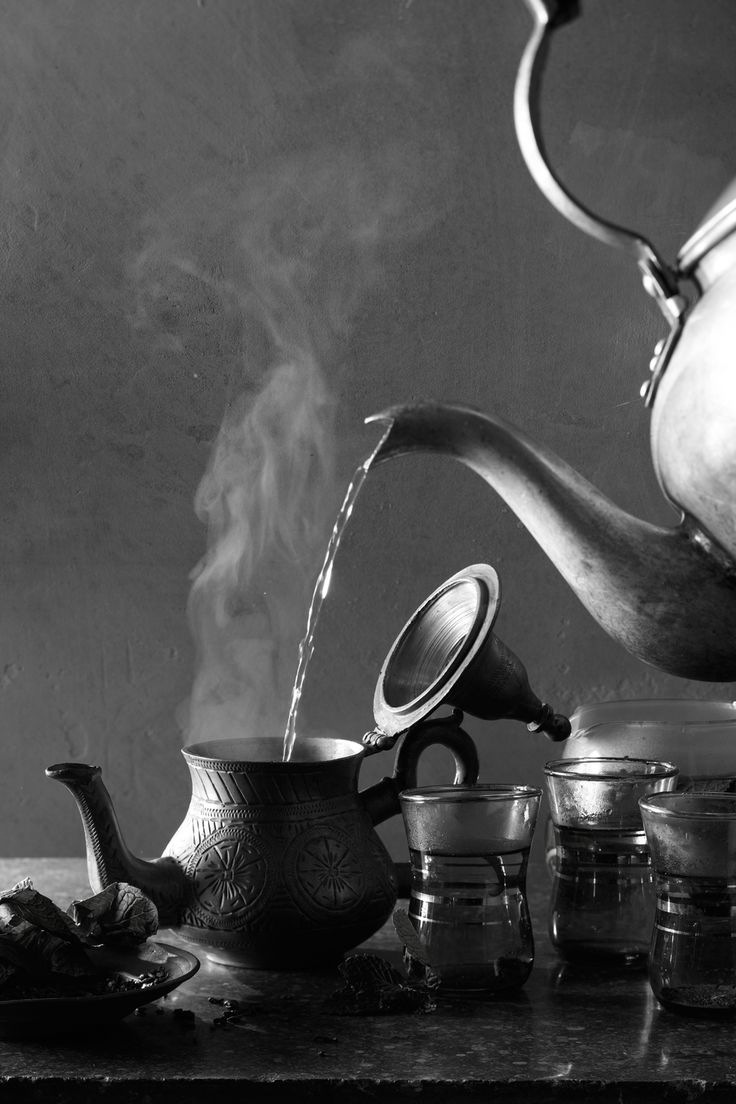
[668, 595]
[108, 858]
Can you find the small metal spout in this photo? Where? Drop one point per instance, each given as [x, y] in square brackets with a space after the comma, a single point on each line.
[108, 858]
[408, 429]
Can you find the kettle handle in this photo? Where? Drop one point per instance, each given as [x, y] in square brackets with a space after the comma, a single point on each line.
[554, 12]
[381, 801]
[660, 280]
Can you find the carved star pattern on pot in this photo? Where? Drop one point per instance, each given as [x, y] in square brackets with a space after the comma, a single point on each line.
[330, 873]
[230, 876]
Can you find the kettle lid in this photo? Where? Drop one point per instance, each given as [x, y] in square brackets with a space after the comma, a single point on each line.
[717, 225]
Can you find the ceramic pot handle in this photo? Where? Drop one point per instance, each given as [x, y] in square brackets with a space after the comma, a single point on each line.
[382, 800]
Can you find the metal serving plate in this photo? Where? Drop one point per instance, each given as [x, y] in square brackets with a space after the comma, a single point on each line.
[65, 1014]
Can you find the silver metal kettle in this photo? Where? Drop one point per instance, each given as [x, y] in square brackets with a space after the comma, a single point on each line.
[668, 595]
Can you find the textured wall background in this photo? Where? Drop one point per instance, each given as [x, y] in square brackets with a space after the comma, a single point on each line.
[144, 148]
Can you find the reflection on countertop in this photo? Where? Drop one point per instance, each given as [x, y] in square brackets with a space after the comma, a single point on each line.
[597, 1032]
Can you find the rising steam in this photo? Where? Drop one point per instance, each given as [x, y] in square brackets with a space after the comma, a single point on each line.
[281, 261]
[263, 498]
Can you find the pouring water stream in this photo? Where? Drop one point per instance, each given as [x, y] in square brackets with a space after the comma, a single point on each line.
[321, 588]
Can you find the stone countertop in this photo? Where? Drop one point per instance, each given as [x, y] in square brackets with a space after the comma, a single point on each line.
[570, 1035]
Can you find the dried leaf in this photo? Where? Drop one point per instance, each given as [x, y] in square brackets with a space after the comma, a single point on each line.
[374, 988]
[22, 903]
[42, 948]
[36, 937]
[120, 913]
[416, 956]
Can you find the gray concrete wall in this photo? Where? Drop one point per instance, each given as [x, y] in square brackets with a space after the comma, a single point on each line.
[193, 193]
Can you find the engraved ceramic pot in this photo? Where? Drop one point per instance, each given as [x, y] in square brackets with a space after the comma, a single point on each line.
[276, 864]
[282, 864]
[281, 859]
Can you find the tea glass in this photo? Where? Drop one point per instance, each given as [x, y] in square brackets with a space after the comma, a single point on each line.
[469, 849]
[692, 961]
[602, 903]
[697, 735]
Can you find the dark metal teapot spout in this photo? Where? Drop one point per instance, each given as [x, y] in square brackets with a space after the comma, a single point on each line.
[108, 858]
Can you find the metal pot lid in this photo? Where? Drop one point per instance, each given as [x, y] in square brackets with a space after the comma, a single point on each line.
[435, 646]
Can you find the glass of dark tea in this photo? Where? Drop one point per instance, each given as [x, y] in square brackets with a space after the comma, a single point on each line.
[602, 903]
[469, 848]
[692, 962]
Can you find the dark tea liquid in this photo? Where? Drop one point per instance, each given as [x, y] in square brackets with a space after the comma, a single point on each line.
[603, 894]
[471, 913]
[693, 961]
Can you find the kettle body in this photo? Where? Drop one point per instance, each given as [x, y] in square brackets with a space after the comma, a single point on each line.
[693, 431]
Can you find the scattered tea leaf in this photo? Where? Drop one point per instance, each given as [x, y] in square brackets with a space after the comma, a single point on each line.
[374, 988]
[43, 950]
[22, 903]
[119, 914]
[416, 956]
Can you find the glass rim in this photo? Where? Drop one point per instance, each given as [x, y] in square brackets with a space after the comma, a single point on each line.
[666, 700]
[697, 705]
[481, 791]
[653, 803]
[560, 768]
